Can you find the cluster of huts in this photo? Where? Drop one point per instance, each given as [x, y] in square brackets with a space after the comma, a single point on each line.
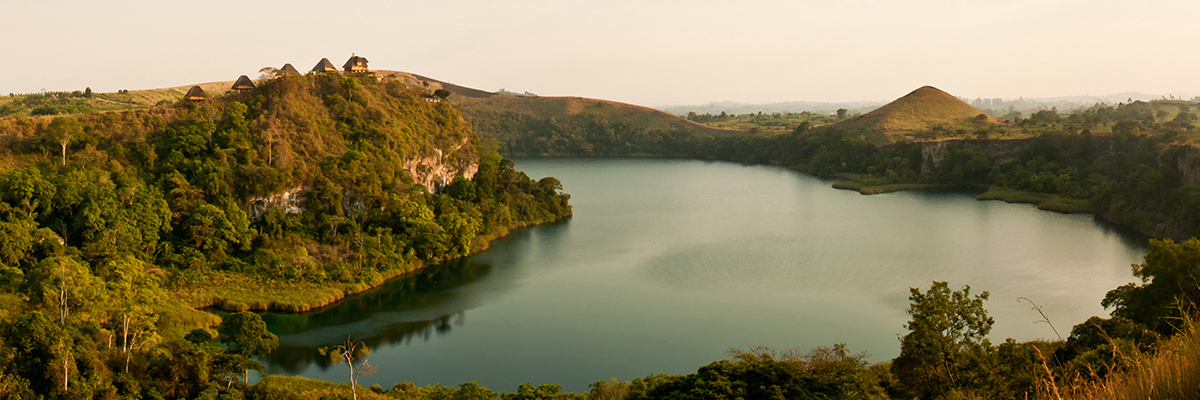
[356, 63]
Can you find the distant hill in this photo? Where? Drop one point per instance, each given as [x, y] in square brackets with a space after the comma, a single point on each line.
[480, 107]
[923, 110]
[730, 107]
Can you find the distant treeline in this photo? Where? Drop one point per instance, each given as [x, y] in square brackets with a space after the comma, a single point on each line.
[1127, 171]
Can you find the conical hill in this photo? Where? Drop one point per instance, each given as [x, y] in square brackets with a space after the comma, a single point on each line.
[924, 110]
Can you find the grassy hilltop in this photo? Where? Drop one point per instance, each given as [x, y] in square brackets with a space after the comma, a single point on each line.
[926, 113]
[477, 105]
[77, 102]
[560, 126]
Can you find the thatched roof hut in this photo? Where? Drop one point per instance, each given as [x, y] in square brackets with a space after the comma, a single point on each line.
[243, 83]
[355, 64]
[324, 66]
[288, 69]
[195, 94]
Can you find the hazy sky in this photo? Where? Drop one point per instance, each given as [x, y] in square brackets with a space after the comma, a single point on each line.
[644, 52]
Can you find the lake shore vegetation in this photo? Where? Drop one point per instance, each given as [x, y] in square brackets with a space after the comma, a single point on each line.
[115, 226]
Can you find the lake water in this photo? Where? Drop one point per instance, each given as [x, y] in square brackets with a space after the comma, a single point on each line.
[667, 264]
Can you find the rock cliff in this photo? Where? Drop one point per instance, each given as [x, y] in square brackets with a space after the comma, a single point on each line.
[1000, 151]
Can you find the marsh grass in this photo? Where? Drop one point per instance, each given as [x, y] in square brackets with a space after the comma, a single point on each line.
[868, 184]
[881, 189]
[240, 292]
[176, 319]
[1048, 202]
[1171, 372]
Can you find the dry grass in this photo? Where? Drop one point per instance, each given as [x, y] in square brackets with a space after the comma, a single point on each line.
[1173, 372]
[923, 110]
[474, 102]
[150, 97]
[545, 107]
[294, 387]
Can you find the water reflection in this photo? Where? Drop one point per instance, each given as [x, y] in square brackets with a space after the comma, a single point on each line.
[667, 263]
[417, 306]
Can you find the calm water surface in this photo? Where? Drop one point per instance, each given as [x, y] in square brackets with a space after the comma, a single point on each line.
[669, 263]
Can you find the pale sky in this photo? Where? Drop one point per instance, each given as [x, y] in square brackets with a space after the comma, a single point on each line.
[643, 52]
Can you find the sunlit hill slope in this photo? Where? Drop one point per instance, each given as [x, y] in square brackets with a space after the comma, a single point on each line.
[478, 106]
[925, 113]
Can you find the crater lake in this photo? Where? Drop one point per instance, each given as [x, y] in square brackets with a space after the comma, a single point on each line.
[667, 264]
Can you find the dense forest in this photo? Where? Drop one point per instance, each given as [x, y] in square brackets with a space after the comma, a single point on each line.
[115, 226]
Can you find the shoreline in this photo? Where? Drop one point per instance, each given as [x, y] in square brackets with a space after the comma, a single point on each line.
[869, 189]
[1043, 201]
[236, 292]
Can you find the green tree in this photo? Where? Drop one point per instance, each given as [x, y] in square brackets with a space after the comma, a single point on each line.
[841, 113]
[803, 127]
[527, 391]
[65, 285]
[16, 240]
[28, 191]
[63, 131]
[218, 230]
[34, 337]
[1127, 126]
[138, 291]
[245, 335]
[1170, 285]
[183, 368]
[947, 345]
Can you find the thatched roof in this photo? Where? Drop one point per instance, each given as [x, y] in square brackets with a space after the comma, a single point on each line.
[324, 66]
[288, 69]
[195, 93]
[355, 61]
[243, 83]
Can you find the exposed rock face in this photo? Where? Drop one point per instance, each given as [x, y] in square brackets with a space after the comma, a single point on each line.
[291, 201]
[1187, 161]
[434, 172]
[439, 170]
[1000, 151]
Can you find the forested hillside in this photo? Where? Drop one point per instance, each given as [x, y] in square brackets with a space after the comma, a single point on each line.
[114, 226]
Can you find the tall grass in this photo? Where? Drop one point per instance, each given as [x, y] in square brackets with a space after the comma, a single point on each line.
[1172, 372]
